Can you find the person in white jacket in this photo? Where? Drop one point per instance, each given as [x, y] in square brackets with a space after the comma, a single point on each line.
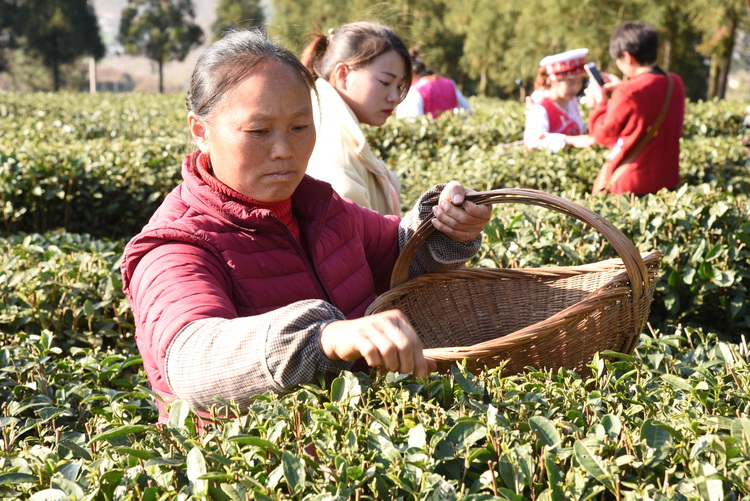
[363, 71]
[430, 94]
[553, 119]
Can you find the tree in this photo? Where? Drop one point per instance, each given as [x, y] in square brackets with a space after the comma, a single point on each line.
[487, 38]
[161, 30]
[719, 22]
[679, 38]
[8, 30]
[488, 45]
[59, 32]
[293, 20]
[237, 13]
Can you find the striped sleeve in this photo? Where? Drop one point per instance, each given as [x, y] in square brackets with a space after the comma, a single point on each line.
[215, 359]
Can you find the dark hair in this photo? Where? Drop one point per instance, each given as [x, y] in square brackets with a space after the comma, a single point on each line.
[356, 45]
[542, 79]
[224, 63]
[418, 65]
[640, 40]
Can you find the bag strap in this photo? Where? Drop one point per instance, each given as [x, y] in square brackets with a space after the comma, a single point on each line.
[651, 132]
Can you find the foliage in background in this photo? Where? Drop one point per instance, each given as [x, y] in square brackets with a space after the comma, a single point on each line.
[98, 164]
[161, 30]
[486, 45]
[57, 32]
[237, 15]
[8, 12]
[721, 27]
[483, 45]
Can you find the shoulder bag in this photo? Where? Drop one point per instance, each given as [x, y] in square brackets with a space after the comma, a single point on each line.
[610, 172]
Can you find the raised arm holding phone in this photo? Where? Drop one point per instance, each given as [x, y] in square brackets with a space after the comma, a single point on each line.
[553, 119]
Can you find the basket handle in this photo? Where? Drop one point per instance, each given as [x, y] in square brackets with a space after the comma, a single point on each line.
[630, 256]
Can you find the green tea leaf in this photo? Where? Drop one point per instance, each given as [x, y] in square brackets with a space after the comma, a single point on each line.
[612, 425]
[464, 382]
[709, 482]
[417, 436]
[76, 449]
[178, 413]
[196, 468]
[554, 478]
[378, 440]
[467, 432]
[49, 495]
[545, 432]
[252, 440]
[72, 489]
[714, 252]
[677, 382]
[18, 478]
[592, 466]
[294, 471]
[118, 432]
[658, 440]
[138, 453]
[741, 433]
[88, 308]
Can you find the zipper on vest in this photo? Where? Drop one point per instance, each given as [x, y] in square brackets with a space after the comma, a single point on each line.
[310, 263]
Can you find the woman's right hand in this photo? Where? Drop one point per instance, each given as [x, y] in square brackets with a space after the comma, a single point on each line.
[385, 340]
[599, 93]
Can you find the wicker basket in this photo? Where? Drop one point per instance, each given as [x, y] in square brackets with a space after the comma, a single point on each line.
[547, 318]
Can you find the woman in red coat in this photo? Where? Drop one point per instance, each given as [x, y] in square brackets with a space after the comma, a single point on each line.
[633, 106]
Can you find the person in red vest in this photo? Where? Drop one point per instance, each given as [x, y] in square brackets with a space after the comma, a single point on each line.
[553, 119]
[253, 276]
[430, 94]
[649, 104]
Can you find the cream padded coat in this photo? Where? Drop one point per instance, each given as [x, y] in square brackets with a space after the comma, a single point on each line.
[343, 158]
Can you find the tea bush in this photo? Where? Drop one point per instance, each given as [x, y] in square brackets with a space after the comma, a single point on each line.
[668, 422]
[80, 174]
[64, 283]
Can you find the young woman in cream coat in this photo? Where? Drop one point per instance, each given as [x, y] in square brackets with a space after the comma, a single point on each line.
[363, 71]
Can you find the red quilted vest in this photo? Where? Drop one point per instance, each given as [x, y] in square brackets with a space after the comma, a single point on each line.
[346, 256]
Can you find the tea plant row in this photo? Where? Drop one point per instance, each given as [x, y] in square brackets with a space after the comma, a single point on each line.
[78, 421]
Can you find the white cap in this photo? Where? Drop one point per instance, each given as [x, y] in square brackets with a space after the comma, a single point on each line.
[565, 64]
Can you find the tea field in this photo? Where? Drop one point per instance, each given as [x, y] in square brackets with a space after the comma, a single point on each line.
[80, 174]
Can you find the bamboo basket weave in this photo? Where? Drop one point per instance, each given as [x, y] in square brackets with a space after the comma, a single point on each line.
[546, 318]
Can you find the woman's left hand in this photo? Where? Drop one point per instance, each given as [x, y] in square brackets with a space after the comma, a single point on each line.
[458, 218]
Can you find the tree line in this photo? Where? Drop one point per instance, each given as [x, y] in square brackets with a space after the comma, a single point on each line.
[490, 47]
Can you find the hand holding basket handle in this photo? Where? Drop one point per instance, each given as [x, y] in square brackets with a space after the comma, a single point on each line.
[457, 215]
[549, 317]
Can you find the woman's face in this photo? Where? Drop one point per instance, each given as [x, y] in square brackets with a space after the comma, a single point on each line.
[567, 88]
[261, 134]
[373, 91]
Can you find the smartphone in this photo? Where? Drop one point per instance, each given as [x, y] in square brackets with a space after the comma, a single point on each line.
[593, 72]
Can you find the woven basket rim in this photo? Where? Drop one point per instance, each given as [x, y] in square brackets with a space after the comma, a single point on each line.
[609, 291]
[623, 246]
[626, 291]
